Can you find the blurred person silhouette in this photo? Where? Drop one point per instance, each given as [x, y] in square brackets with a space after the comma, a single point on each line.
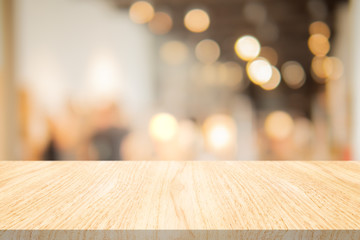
[51, 151]
[65, 131]
[110, 132]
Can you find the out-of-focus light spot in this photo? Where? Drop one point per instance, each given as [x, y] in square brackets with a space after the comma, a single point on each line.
[174, 52]
[319, 44]
[208, 74]
[255, 12]
[269, 54]
[274, 80]
[317, 67]
[333, 67]
[259, 71]
[163, 127]
[231, 74]
[278, 125]
[141, 12]
[197, 20]
[207, 51]
[220, 131]
[219, 136]
[161, 23]
[293, 74]
[228, 74]
[247, 47]
[326, 68]
[319, 27]
[104, 77]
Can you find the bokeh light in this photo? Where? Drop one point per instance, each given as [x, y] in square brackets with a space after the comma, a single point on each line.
[278, 125]
[317, 68]
[319, 44]
[209, 74]
[326, 68]
[247, 47]
[163, 127]
[270, 54]
[333, 67]
[104, 77]
[293, 74]
[197, 20]
[220, 131]
[174, 52]
[274, 80]
[207, 51]
[259, 71]
[319, 27]
[141, 12]
[231, 74]
[161, 23]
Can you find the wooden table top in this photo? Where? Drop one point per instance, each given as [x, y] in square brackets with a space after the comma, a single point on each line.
[201, 196]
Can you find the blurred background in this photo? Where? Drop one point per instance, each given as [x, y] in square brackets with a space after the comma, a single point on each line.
[179, 80]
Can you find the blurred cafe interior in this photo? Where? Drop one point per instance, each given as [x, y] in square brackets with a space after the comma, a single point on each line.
[180, 80]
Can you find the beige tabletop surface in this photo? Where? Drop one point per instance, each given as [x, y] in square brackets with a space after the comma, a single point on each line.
[145, 195]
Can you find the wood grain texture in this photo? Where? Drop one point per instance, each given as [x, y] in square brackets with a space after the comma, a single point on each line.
[142, 200]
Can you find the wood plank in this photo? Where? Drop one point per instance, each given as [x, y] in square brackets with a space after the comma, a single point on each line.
[179, 200]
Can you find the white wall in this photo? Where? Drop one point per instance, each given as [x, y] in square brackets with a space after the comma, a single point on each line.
[337, 90]
[1, 38]
[355, 76]
[2, 98]
[8, 94]
[62, 44]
